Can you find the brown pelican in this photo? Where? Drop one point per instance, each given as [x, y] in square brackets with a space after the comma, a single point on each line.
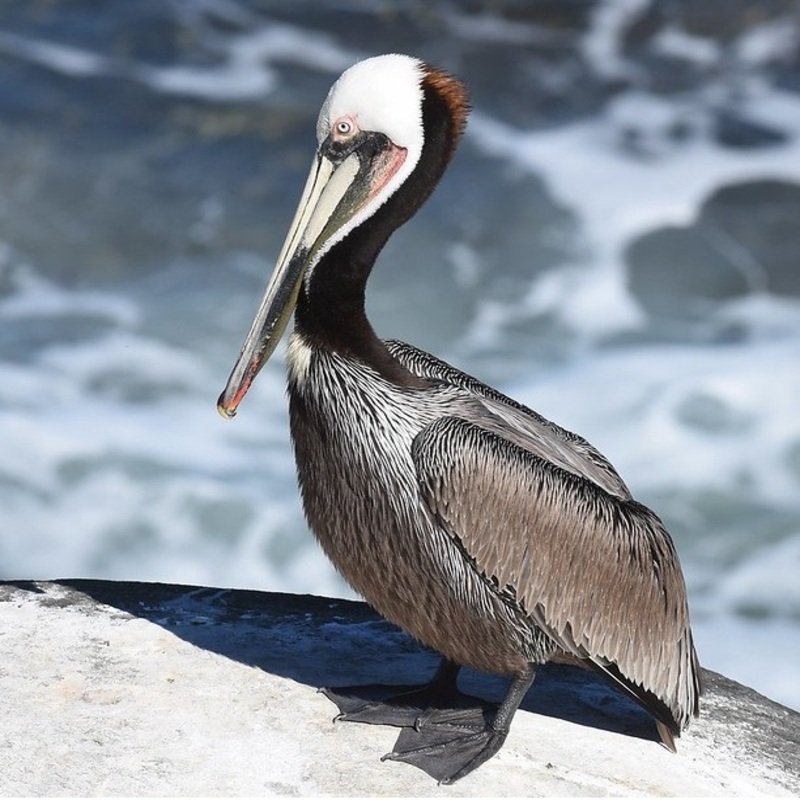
[488, 533]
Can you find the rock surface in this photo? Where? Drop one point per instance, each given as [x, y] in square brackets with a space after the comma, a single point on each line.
[143, 689]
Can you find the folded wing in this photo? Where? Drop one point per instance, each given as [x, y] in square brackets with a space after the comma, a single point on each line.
[596, 571]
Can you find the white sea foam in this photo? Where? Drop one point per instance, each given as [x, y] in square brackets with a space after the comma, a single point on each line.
[32, 295]
[763, 583]
[65, 59]
[766, 42]
[618, 196]
[601, 45]
[488, 27]
[636, 404]
[243, 68]
[762, 653]
[245, 71]
[234, 80]
[677, 43]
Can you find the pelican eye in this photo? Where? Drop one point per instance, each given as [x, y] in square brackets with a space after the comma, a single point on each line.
[343, 127]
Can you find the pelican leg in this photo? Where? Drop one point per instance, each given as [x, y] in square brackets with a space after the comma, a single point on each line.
[449, 745]
[404, 706]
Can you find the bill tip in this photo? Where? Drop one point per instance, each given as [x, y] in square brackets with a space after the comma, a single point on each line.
[224, 410]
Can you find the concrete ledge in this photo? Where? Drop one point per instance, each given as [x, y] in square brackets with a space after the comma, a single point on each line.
[144, 689]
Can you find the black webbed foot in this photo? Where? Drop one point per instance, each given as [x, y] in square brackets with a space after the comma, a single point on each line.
[383, 705]
[402, 706]
[448, 745]
[444, 733]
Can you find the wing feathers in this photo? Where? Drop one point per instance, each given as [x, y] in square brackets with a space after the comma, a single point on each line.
[516, 422]
[597, 572]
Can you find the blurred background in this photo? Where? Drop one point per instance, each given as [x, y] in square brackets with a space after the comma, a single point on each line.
[616, 245]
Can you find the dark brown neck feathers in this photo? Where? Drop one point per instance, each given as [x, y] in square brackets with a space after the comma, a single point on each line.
[331, 313]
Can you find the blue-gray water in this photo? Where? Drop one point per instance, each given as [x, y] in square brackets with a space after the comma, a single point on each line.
[616, 245]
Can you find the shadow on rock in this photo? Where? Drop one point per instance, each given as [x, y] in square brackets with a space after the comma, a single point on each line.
[325, 642]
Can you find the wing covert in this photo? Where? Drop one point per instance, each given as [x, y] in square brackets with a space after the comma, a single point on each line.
[512, 420]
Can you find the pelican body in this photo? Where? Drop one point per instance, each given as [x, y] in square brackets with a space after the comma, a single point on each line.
[488, 533]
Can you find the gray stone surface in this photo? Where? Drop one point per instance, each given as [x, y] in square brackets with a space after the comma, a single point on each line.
[147, 689]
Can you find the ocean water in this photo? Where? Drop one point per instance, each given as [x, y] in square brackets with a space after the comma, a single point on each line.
[616, 245]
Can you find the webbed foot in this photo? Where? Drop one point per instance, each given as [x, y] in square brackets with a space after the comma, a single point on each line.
[402, 706]
[444, 733]
[382, 705]
[448, 745]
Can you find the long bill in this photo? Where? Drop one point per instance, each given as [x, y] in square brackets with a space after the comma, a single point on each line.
[334, 195]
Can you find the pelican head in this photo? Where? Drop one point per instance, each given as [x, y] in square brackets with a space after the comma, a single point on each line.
[370, 137]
